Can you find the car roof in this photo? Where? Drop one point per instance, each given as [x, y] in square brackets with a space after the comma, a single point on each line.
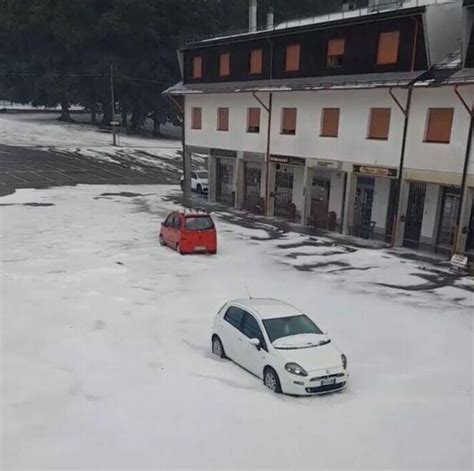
[268, 308]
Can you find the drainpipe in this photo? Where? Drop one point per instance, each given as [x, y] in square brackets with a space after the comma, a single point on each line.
[406, 112]
[470, 110]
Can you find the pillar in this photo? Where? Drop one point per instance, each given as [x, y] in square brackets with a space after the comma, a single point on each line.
[187, 162]
[239, 180]
[401, 216]
[307, 182]
[349, 197]
[212, 175]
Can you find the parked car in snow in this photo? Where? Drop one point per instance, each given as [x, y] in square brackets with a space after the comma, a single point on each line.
[199, 181]
[281, 345]
[189, 232]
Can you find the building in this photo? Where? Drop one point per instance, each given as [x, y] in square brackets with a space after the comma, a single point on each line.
[321, 121]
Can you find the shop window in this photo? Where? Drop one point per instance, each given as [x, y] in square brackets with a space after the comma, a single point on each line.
[256, 61]
[197, 67]
[222, 119]
[288, 121]
[335, 52]
[379, 123]
[224, 65]
[387, 51]
[196, 118]
[253, 120]
[292, 59]
[439, 124]
[330, 122]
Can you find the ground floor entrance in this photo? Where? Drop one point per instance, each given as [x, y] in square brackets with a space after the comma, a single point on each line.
[414, 215]
[451, 199]
[364, 199]
[284, 181]
[319, 211]
[253, 201]
[224, 180]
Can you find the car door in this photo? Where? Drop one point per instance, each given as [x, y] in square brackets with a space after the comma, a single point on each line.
[175, 231]
[252, 358]
[230, 331]
[166, 229]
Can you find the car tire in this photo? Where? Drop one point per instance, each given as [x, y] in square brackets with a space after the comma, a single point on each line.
[217, 347]
[212, 252]
[162, 240]
[178, 249]
[199, 189]
[271, 380]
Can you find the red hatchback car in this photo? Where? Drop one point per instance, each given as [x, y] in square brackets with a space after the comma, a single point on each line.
[189, 232]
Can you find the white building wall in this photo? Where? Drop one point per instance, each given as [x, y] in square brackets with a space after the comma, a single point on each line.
[380, 204]
[430, 211]
[438, 157]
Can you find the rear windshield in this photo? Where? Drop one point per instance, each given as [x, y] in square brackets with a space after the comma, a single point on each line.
[200, 223]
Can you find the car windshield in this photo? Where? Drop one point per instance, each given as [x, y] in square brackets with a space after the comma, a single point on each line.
[286, 326]
[202, 174]
[199, 223]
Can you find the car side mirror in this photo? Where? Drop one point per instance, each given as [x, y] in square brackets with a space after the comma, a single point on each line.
[256, 343]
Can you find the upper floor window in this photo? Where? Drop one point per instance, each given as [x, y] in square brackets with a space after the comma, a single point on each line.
[439, 124]
[288, 121]
[196, 118]
[253, 120]
[379, 123]
[330, 122]
[256, 56]
[197, 67]
[387, 51]
[292, 58]
[222, 119]
[224, 64]
[335, 52]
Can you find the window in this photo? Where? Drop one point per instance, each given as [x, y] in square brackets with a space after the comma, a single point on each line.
[197, 67]
[256, 59]
[439, 124]
[176, 222]
[198, 223]
[193, 175]
[222, 119]
[292, 59]
[251, 329]
[196, 118]
[335, 52]
[330, 122]
[202, 174]
[286, 326]
[234, 316]
[169, 220]
[288, 121]
[224, 64]
[379, 123]
[253, 120]
[387, 52]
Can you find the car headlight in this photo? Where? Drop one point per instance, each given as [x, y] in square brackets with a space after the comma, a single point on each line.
[344, 361]
[295, 369]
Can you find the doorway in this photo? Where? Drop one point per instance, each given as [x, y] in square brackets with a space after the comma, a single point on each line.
[320, 189]
[225, 177]
[252, 188]
[363, 224]
[414, 215]
[447, 222]
[283, 191]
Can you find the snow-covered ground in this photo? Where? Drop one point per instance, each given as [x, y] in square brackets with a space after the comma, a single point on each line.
[105, 347]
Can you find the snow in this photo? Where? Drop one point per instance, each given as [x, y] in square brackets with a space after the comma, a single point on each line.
[105, 348]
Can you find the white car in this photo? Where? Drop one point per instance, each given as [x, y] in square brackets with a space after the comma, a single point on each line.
[199, 181]
[281, 345]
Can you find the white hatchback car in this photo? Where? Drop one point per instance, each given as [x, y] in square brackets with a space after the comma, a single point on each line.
[281, 345]
[199, 181]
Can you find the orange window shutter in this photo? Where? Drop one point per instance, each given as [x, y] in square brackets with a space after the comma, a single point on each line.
[256, 59]
[223, 119]
[289, 120]
[336, 47]
[387, 52]
[292, 63]
[379, 123]
[197, 67]
[440, 122]
[196, 118]
[254, 118]
[224, 64]
[330, 124]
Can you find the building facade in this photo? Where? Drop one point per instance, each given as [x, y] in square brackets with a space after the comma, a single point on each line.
[359, 123]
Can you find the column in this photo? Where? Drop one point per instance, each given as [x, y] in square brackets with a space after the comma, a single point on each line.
[399, 227]
[212, 175]
[307, 181]
[239, 180]
[465, 219]
[351, 185]
[187, 162]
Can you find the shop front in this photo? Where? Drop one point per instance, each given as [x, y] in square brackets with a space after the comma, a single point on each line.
[451, 199]
[225, 174]
[253, 183]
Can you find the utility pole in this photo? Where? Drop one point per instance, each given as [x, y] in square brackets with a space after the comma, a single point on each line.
[112, 98]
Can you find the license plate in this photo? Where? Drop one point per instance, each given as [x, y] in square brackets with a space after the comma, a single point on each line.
[328, 381]
[200, 248]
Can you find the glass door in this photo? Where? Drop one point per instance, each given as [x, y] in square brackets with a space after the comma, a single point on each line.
[283, 191]
[447, 222]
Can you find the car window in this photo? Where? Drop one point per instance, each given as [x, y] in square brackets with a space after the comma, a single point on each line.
[176, 222]
[202, 174]
[234, 316]
[251, 329]
[286, 326]
[169, 221]
[200, 223]
[193, 175]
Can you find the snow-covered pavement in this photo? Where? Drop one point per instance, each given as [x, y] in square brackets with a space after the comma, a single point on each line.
[105, 347]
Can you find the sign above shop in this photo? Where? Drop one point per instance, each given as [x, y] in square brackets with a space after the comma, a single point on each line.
[223, 153]
[375, 171]
[288, 160]
[329, 164]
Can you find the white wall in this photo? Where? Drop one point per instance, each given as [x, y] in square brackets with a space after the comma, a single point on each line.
[438, 157]
[430, 211]
[380, 204]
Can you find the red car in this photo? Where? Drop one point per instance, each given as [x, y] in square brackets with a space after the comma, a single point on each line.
[189, 232]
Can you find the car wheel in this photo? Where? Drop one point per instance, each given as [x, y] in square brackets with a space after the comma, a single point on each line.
[162, 240]
[199, 189]
[178, 249]
[271, 380]
[217, 347]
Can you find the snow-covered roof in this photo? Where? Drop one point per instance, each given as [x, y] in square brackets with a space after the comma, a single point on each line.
[268, 308]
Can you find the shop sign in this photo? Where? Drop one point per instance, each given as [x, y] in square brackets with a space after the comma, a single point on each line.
[288, 160]
[375, 171]
[329, 164]
[223, 153]
[459, 263]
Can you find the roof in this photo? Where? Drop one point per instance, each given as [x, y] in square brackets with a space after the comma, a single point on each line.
[268, 308]
[334, 82]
